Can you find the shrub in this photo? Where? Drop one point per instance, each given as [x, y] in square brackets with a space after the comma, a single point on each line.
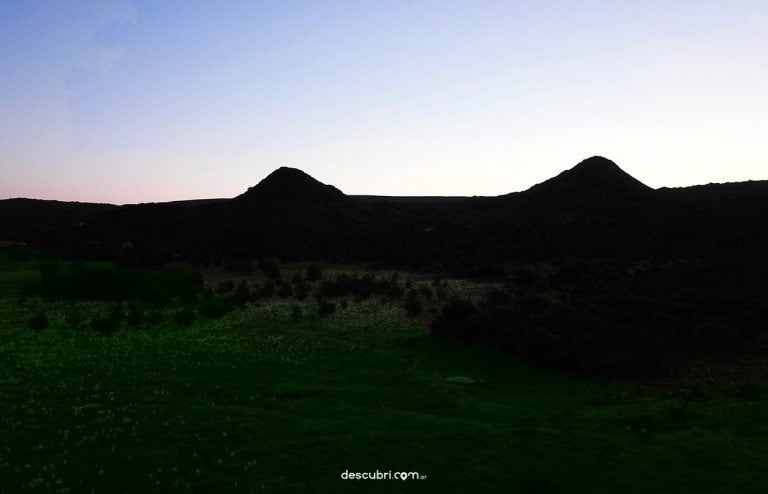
[284, 290]
[241, 266]
[426, 292]
[225, 286]
[362, 287]
[197, 278]
[270, 268]
[242, 293]
[78, 281]
[72, 317]
[532, 304]
[106, 325]
[135, 315]
[154, 317]
[314, 272]
[38, 321]
[215, 307]
[325, 308]
[184, 317]
[295, 312]
[301, 290]
[413, 305]
[267, 289]
[452, 318]
[538, 346]
[719, 336]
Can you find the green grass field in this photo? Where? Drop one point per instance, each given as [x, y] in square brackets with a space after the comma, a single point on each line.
[258, 401]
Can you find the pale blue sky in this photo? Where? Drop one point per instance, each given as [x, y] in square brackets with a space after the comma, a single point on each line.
[131, 101]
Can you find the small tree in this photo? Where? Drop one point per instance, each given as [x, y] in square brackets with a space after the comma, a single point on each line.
[284, 290]
[413, 305]
[295, 312]
[300, 290]
[39, 321]
[243, 292]
[314, 273]
[325, 308]
[184, 317]
[225, 286]
[270, 268]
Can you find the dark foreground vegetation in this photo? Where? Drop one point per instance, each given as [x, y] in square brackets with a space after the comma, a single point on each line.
[129, 383]
[618, 317]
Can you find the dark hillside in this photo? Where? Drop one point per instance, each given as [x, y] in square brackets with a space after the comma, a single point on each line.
[34, 220]
[593, 210]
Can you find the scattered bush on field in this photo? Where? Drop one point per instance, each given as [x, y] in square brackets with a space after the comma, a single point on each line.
[184, 316]
[314, 272]
[38, 321]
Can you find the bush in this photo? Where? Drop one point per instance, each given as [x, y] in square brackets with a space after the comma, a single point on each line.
[215, 307]
[38, 321]
[241, 266]
[295, 312]
[184, 317]
[106, 325]
[72, 317]
[225, 286]
[266, 290]
[270, 268]
[314, 273]
[362, 287]
[325, 308]
[450, 323]
[135, 316]
[719, 336]
[413, 305]
[301, 290]
[154, 317]
[78, 281]
[242, 293]
[426, 292]
[284, 290]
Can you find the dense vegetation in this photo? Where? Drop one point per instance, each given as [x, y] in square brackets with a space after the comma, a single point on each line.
[260, 398]
[618, 316]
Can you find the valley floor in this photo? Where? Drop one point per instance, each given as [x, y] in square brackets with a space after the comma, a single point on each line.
[260, 402]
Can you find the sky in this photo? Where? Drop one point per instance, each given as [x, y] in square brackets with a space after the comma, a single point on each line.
[141, 101]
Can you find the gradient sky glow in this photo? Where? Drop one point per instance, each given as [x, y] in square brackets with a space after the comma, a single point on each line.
[135, 101]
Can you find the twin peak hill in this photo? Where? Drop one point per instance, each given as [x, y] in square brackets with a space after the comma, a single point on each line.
[594, 177]
[592, 209]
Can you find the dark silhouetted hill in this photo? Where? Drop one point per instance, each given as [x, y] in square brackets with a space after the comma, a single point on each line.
[290, 185]
[34, 220]
[593, 210]
[593, 178]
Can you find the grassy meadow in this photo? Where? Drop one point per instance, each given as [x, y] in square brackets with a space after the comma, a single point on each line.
[270, 396]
